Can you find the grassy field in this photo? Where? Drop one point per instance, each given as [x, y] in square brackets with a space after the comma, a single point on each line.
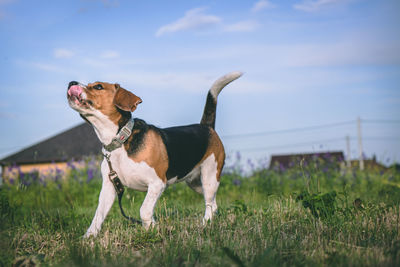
[312, 215]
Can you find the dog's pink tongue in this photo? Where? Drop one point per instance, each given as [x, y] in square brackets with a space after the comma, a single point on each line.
[75, 90]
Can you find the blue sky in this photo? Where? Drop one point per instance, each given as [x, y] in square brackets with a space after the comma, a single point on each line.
[306, 62]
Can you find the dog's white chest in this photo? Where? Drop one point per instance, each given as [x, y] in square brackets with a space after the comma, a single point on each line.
[135, 175]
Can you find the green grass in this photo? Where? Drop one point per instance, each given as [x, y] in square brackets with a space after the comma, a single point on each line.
[289, 218]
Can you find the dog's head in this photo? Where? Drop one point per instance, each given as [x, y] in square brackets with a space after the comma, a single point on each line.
[109, 99]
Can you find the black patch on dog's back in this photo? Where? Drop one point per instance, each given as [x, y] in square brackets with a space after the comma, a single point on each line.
[186, 146]
[136, 140]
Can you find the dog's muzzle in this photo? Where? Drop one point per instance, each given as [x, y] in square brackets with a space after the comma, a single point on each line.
[74, 92]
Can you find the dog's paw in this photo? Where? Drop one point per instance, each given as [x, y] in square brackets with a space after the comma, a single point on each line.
[90, 233]
[148, 224]
[205, 221]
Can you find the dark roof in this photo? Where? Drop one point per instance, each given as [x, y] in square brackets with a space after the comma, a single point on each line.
[72, 144]
[287, 161]
[369, 164]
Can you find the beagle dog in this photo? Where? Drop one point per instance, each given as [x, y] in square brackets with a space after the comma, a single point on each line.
[148, 158]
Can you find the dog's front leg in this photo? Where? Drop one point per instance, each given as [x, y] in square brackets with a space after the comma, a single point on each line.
[106, 200]
[154, 192]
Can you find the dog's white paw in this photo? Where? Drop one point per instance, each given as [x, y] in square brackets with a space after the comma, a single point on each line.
[211, 210]
[147, 224]
[90, 233]
[206, 220]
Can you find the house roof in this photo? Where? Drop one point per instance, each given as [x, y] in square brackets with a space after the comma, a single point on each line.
[288, 160]
[368, 164]
[71, 144]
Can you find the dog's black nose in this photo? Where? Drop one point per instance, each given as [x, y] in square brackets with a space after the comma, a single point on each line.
[72, 84]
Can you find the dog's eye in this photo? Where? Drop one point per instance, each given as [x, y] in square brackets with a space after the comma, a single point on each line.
[98, 87]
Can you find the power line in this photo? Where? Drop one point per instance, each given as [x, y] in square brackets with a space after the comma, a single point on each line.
[386, 138]
[291, 145]
[289, 130]
[300, 129]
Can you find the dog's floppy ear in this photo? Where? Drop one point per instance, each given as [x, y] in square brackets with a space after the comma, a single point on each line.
[125, 100]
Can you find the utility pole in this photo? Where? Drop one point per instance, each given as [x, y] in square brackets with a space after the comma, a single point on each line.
[348, 160]
[360, 147]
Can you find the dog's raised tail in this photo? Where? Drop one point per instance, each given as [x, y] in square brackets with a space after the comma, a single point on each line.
[211, 104]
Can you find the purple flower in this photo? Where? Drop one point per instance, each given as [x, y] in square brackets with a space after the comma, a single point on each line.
[43, 182]
[237, 182]
[71, 165]
[92, 162]
[58, 175]
[34, 174]
[282, 167]
[238, 156]
[90, 175]
[251, 165]
[21, 174]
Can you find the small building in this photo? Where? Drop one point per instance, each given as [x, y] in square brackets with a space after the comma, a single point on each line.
[369, 164]
[54, 152]
[283, 162]
[334, 158]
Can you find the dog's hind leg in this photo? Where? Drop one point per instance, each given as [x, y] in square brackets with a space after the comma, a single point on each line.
[210, 183]
[106, 200]
[194, 181]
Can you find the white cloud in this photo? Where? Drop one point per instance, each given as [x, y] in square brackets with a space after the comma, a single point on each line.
[314, 5]
[193, 19]
[47, 67]
[109, 54]
[94, 62]
[242, 26]
[261, 5]
[63, 53]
